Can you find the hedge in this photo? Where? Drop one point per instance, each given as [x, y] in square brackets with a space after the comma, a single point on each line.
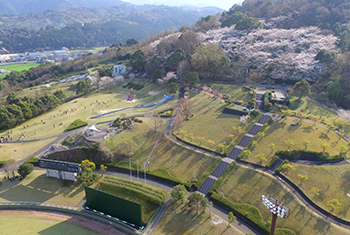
[164, 114]
[222, 177]
[273, 160]
[250, 213]
[295, 153]
[33, 160]
[116, 188]
[76, 124]
[279, 169]
[134, 86]
[208, 172]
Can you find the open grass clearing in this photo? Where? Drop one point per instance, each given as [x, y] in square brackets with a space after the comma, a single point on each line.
[209, 122]
[36, 187]
[237, 92]
[333, 182]
[37, 225]
[178, 219]
[309, 107]
[286, 129]
[244, 185]
[84, 108]
[19, 67]
[3, 75]
[19, 151]
[181, 162]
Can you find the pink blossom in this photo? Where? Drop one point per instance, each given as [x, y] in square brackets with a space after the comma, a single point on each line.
[187, 88]
[215, 93]
[205, 88]
[198, 86]
[209, 90]
[220, 95]
[186, 97]
[186, 93]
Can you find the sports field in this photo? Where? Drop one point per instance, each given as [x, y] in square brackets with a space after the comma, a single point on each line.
[19, 67]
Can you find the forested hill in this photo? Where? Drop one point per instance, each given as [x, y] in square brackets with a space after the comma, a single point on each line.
[85, 27]
[17, 7]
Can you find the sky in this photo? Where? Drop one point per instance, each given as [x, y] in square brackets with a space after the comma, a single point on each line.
[223, 4]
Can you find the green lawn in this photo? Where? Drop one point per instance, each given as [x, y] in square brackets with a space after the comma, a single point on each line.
[311, 108]
[114, 99]
[37, 225]
[38, 188]
[244, 185]
[180, 162]
[209, 122]
[237, 92]
[280, 132]
[3, 75]
[18, 151]
[332, 182]
[178, 219]
[19, 67]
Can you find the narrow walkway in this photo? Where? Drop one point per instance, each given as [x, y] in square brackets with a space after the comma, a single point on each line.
[157, 218]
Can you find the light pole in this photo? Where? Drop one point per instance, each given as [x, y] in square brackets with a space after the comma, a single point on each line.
[277, 209]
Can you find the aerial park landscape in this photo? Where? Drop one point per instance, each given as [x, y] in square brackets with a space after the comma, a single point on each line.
[238, 124]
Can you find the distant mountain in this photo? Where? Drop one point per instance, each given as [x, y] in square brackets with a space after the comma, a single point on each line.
[18, 7]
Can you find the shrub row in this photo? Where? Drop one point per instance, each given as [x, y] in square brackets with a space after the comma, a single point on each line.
[249, 213]
[135, 184]
[279, 169]
[76, 124]
[117, 188]
[134, 86]
[295, 153]
[273, 160]
[209, 171]
[167, 112]
[222, 177]
[165, 174]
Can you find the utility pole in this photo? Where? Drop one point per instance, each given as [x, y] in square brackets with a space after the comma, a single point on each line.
[130, 168]
[138, 179]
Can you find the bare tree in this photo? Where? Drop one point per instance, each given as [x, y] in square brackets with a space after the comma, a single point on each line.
[10, 166]
[153, 93]
[126, 148]
[186, 108]
[158, 122]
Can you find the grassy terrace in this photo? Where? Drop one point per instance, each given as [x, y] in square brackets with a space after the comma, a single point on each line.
[114, 99]
[332, 182]
[18, 151]
[182, 163]
[280, 132]
[209, 122]
[237, 92]
[38, 188]
[244, 185]
[37, 225]
[179, 214]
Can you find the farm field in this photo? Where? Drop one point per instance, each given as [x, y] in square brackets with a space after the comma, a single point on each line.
[179, 161]
[114, 99]
[19, 67]
[332, 182]
[40, 225]
[19, 151]
[244, 185]
[286, 129]
[36, 187]
[178, 214]
[209, 122]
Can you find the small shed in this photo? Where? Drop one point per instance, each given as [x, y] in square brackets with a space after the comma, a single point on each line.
[92, 129]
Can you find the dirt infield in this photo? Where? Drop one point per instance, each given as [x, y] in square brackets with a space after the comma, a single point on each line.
[75, 219]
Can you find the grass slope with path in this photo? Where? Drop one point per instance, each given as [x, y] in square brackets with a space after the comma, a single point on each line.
[178, 219]
[238, 92]
[37, 225]
[115, 98]
[279, 132]
[36, 187]
[244, 185]
[333, 182]
[19, 151]
[181, 162]
[209, 122]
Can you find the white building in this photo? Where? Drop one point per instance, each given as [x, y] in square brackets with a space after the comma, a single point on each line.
[92, 130]
[59, 169]
[118, 70]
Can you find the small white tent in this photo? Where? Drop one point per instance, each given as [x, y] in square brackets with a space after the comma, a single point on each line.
[92, 130]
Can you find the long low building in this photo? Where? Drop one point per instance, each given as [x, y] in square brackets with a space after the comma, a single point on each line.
[59, 169]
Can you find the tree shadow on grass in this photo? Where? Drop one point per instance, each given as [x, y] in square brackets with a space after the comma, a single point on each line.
[246, 176]
[324, 136]
[322, 226]
[308, 129]
[344, 211]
